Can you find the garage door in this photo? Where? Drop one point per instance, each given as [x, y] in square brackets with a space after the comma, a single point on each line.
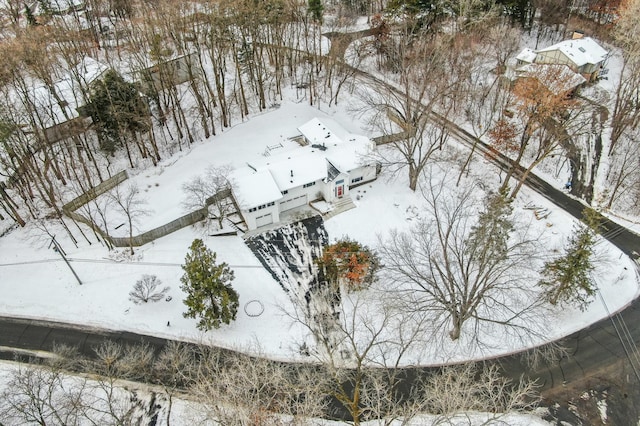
[298, 201]
[267, 219]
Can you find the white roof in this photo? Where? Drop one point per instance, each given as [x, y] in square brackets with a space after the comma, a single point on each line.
[318, 133]
[351, 154]
[295, 168]
[309, 163]
[581, 51]
[252, 189]
[527, 55]
[556, 78]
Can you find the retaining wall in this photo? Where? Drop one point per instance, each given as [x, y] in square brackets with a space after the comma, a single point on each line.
[161, 231]
[94, 192]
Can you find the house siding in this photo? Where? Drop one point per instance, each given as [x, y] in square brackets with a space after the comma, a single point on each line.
[588, 71]
[362, 175]
[251, 216]
[555, 57]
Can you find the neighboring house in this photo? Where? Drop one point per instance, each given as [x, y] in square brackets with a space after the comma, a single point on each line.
[557, 79]
[168, 72]
[57, 108]
[526, 57]
[583, 56]
[326, 168]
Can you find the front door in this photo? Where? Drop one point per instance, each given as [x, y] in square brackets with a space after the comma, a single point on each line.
[339, 190]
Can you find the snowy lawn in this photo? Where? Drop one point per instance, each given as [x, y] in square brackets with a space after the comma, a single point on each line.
[262, 136]
[36, 283]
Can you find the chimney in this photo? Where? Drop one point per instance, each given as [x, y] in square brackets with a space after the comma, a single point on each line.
[291, 173]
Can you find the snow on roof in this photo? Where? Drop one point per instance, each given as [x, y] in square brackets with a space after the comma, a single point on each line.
[351, 154]
[556, 78]
[308, 164]
[581, 51]
[90, 70]
[252, 189]
[527, 55]
[295, 168]
[319, 133]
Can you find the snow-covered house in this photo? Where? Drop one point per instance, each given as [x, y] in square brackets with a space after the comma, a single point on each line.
[57, 108]
[330, 163]
[526, 57]
[583, 56]
[557, 79]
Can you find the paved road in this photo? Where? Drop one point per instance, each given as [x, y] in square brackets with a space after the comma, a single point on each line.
[35, 335]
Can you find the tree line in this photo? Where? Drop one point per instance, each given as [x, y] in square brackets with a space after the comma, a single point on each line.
[196, 68]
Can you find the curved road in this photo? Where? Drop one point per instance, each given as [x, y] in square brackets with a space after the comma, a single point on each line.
[590, 349]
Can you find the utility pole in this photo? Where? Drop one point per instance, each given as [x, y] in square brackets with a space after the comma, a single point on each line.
[58, 248]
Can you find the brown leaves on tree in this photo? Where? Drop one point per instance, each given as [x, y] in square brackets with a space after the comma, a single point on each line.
[503, 137]
[348, 262]
[544, 94]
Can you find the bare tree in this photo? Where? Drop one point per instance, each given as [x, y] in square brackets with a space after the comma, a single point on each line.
[457, 265]
[132, 206]
[362, 347]
[211, 190]
[146, 289]
[458, 390]
[544, 114]
[39, 395]
[504, 40]
[245, 390]
[175, 368]
[624, 174]
[429, 73]
[626, 114]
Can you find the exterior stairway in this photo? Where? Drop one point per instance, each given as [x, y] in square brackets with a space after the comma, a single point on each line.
[340, 205]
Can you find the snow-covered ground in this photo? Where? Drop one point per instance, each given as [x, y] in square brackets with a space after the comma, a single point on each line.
[36, 283]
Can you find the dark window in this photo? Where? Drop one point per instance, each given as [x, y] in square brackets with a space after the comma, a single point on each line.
[358, 179]
[284, 192]
[306, 185]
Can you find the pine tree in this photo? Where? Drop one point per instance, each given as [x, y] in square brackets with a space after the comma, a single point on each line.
[315, 8]
[488, 240]
[116, 109]
[567, 279]
[210, 296]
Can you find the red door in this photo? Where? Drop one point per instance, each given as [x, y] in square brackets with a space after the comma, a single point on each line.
[339, 190]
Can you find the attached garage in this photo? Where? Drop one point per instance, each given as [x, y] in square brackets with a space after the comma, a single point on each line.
[292, 203]
[264, 220]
